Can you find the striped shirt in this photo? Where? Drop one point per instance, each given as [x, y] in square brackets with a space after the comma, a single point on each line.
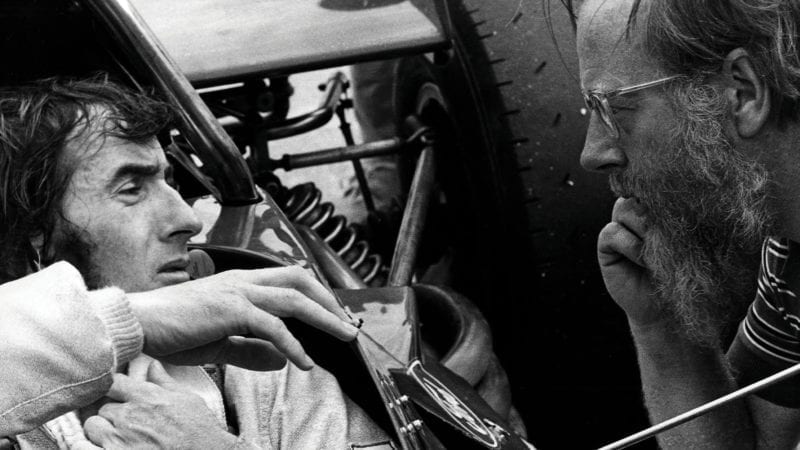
[768, 339]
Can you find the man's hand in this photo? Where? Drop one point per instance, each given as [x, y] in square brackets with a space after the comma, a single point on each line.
[619, 248]
[155, 414]
[234, 318]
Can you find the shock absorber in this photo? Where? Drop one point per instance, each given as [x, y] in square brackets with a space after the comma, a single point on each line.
[303, 204]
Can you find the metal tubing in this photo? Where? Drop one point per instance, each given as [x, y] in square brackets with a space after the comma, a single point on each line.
[293, 126]
[416, 210]
[339, 154]
[218, 151]
[314, 119]
[363, 185]
[361, 176]
[336, 271]
[703, 409]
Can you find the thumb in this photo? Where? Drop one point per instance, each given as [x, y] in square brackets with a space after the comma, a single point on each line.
[137, 368]
[157, 374]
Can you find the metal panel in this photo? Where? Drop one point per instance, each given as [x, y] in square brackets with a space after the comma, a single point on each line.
[215, 41]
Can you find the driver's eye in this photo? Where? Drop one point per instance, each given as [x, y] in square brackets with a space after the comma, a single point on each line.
[131, 189]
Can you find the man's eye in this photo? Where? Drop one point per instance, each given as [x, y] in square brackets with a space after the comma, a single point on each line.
[130, 189]
[619, 108]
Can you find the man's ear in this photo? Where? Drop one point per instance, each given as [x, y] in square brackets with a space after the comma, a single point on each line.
[747, 93]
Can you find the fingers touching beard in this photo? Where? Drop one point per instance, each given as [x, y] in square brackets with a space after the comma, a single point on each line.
[706, 219]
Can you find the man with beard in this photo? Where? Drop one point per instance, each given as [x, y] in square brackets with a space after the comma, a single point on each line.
[695, 119]
[86, 173]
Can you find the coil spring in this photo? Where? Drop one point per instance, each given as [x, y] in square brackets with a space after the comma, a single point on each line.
[303, 204]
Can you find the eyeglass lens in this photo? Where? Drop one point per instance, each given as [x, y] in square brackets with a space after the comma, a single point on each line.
[595, 103]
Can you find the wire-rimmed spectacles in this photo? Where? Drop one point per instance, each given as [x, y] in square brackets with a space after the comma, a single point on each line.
[598, 101]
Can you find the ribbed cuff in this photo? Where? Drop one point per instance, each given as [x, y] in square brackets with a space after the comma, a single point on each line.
[113, 309]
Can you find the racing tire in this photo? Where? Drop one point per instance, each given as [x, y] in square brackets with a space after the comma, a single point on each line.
[518, 217]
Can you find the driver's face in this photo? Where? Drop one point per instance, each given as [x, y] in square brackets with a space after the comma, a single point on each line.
[123, 224]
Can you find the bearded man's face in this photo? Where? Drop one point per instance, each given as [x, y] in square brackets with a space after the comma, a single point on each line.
[706, 217]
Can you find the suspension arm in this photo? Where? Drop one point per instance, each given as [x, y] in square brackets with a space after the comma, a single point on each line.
[409, 237]
[339, 154]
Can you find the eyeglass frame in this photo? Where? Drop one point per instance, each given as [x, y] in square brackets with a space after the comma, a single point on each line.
[603, 108]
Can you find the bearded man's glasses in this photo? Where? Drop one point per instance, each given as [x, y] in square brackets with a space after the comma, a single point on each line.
[597, 101]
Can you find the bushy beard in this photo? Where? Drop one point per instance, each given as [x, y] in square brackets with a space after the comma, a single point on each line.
[706, 218]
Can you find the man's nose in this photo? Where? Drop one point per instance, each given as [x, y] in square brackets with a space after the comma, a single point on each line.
[601, 152]
[183, 222]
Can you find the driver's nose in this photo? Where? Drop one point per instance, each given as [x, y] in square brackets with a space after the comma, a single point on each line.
[182, 222]
[601, 152]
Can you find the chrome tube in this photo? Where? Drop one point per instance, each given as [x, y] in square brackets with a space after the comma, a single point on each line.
[336, 271]
[703, 409]
[219, 153]
[314, 119]
[339, 154]
[409, 237]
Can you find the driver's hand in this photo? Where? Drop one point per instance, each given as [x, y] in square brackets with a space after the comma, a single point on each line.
[155, 413]
[619, 252]
[234, 318]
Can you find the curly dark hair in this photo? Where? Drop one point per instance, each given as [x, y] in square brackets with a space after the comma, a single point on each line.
[37, 121]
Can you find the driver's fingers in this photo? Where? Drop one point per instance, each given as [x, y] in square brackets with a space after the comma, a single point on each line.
[99, 430]
[91, 410]
[296, 277]
[311, 287]
[158, 375]
[629, 213]
[286, 302]
[137, 368]
[255, 354]
[126, 389]
[262, 325]
[252, 354]
[113, 412]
